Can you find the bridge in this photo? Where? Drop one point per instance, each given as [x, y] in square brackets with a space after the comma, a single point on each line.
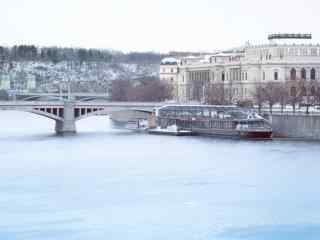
[66, 113]
[29, 96]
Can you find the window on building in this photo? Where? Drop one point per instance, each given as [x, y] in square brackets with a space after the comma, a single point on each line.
[293, 74]
[281, 53]
[293, 91]
[314, 52]
[303, 74]
[303, 91]
[313, 74]
[290, 51]
[223, 76]
[275, 75]
[246, 76]
[171, 70]
[313, 91]
[263, 76]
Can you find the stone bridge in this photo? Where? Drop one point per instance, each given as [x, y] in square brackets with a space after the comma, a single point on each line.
[66, 113]
[29, 96]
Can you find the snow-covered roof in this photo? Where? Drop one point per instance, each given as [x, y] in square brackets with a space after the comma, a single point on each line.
[222, 54]
[191, 57]
[169, 60]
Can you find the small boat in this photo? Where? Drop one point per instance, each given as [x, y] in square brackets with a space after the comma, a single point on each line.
[172, 130]
[137, 125]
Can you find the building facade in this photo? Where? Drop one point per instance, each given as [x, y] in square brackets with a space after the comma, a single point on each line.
[169, 73]
[238, 72]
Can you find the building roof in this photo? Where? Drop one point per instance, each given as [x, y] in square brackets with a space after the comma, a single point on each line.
[169, 60]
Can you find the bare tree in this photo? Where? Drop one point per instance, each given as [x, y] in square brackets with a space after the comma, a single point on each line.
[151, 91]
[308, 94]
[214, 94]
[120, 90]
[283, 95]
[294, 97]
[259, 96]
[271, 94]
[230, 93]
[317, 94]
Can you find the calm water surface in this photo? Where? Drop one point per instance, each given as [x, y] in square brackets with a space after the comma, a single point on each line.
[105, 183]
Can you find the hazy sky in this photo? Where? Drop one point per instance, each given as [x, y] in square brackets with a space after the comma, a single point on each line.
[158, 25]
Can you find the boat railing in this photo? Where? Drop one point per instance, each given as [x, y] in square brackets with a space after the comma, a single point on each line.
[251, 127]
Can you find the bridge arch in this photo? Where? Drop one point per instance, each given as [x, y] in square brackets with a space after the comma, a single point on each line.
[45, 114]
[95, 112]
[53, 114]
[107, 111]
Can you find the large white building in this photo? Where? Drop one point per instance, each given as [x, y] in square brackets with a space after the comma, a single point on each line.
[240, 70]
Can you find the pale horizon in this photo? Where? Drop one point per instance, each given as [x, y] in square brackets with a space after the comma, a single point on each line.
[158, 26]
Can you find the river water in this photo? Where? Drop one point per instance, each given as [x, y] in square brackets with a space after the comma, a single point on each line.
[106, 183]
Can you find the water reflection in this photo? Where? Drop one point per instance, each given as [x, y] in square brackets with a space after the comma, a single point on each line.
[105, 183]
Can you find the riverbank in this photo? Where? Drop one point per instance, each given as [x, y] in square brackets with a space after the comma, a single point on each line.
[299, 126]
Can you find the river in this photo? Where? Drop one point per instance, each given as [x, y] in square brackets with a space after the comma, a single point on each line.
[105, 183]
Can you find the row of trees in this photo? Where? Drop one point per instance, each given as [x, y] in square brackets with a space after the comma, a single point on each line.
[300, 93]
[143, 90]
[57, 54]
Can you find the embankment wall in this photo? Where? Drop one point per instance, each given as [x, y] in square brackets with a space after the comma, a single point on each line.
[296, 126]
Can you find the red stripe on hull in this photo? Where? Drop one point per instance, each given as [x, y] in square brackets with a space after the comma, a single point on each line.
[258, 135]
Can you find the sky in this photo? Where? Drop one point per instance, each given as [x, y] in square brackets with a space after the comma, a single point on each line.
[154, 25]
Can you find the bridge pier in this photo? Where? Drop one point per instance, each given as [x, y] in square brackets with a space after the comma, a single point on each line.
[68, 125]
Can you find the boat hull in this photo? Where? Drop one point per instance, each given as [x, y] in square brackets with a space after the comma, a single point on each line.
[256, 134]
[235, 134]
[170, 133]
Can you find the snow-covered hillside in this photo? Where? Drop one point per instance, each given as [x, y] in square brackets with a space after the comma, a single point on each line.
[87, 76]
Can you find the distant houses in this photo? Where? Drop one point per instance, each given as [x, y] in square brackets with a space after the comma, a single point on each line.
[17, 81]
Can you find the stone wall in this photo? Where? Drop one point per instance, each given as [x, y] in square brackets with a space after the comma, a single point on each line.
[296, 126]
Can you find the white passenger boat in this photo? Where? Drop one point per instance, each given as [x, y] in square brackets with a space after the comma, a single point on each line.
[170, 130]
[229, 121]
[137, 125]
